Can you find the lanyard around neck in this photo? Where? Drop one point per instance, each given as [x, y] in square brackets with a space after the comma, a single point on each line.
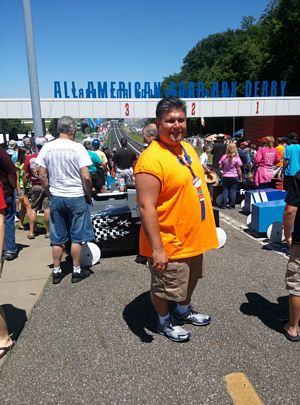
[185, 160]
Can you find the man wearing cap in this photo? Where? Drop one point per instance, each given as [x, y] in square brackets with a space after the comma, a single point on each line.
[177, 220]
[12, 150]
[291, 162]
[39, 198]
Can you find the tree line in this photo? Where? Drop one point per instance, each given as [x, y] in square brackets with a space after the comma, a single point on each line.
[268, 49]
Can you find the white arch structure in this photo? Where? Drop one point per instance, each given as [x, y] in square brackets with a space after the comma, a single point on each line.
[145, 108]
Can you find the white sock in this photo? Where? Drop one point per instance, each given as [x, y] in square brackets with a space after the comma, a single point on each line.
[77, 269]
[57, 270]
[182, 309]
[163, 319]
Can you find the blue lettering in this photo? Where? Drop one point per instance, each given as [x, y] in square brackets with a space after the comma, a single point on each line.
[90, 91]
[137, 89]
[181, 89]
[214, 91]
[81, 93]
[66, 90]
[57, 90]
[121, 92]
[233, 89]
[171, 91]
[282, 87]
[156, 90]
[129, 89]
[225, 89]
[248, 88]
[273, 90]
[256, 88]
[112, 89]
[191, 90]
[201, 92]
[264, 88]
[73, 90]
[147, 92]
[102, 89]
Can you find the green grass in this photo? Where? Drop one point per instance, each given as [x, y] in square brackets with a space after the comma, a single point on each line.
[135, 137]
[40, 223]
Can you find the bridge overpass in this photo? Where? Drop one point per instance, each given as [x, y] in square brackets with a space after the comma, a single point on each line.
[145, 108]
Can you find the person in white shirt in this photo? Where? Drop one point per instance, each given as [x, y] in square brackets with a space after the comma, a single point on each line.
[204, 156]
[65, 177]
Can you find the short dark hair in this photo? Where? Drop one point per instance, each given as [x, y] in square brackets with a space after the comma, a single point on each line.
[169, 103]
[293, 137]
[123, 142]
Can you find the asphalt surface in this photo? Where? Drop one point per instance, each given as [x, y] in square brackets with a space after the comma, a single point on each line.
[95, 342]
[116, 133]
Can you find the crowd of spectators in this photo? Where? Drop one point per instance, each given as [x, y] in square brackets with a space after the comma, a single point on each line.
[24, 171]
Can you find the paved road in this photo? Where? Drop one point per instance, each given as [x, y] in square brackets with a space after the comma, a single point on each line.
[95, 342]
[116, 133]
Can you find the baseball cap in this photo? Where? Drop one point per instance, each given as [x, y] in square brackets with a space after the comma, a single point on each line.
[12, 144]
[96, 143]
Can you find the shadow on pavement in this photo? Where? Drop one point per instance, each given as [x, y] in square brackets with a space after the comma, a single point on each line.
[270, 313]
[15, 318]
[20, 246]
[140, 315]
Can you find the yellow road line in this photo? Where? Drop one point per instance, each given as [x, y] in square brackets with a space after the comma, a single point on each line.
[241, 390]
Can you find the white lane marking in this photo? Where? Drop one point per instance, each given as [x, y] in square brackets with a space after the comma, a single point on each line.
[138, 151]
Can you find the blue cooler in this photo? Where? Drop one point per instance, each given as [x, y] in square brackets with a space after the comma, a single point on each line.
[265, 214]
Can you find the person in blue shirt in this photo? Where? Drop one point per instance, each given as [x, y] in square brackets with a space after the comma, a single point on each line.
[95, 168]
[291, 162]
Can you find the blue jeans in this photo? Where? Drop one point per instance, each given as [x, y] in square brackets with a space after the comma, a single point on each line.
[10, 212]
[70, 220]
[229, 190]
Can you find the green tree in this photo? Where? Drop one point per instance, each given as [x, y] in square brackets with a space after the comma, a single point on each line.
[281, 23]
[53, 126]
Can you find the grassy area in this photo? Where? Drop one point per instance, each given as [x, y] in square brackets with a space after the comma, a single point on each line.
[40, 223]
[135, 137]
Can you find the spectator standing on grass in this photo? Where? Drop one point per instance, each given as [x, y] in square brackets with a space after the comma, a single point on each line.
[66, 179]
[38, 196]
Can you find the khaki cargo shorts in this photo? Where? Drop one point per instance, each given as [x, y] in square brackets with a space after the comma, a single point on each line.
[292, 277]
[173, 283]
[39, 198]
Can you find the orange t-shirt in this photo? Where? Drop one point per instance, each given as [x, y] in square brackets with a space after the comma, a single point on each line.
[182, 231]
[280, 149]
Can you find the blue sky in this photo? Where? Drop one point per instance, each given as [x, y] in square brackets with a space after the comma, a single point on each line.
[111, 40]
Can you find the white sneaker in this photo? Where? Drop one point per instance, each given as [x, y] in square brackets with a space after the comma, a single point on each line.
[173, 332]
[193, 317]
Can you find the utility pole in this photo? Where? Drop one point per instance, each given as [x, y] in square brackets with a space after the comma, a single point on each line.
[32, 71]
